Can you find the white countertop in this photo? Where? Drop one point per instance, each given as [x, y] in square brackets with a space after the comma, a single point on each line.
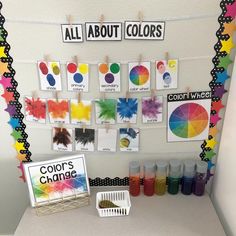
[167, 215]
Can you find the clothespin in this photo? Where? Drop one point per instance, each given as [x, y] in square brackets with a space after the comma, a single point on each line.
[61, 126]
[128, 126]
[107, 127]
[79, 97]
[34, 94]
[76, 60]
[57, 96]
[69, 19]
[103, 95]
[140, 17]
[127, 96]
[101, 20]
[106, 60]
[46, 58]
[153, 95]
[167, 57]
[188, 90]
[84, 127]
[140, 58]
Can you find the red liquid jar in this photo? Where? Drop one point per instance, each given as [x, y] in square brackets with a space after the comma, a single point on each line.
[149, 178]
[134, 178]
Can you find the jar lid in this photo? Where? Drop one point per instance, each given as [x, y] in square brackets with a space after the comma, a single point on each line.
[149, 166]
[189, 165]
[175, 165]
[202, 167]
[162, 165]
[134, 167]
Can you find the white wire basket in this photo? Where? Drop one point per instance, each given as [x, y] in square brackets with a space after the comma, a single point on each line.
[119, 198]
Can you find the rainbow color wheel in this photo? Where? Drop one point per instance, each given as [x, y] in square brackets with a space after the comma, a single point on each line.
[188, 120]
[139, 75]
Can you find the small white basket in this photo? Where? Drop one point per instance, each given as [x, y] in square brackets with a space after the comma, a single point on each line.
[119, 198]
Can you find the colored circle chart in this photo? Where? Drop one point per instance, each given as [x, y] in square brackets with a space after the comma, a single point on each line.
[188, 120]
[139, 75]
[77, 71]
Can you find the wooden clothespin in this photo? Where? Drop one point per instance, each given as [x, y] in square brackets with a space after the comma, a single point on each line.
[35, 94]
[153, 94]
[46, 58]
[69, 19]
[79, 97]
[166, 57]
[103, 95]
[140, 17]
[127, 96]
[76, 60]
[101, 20]
[128, 126]
[188, 90]
[140, 58]
[107, 127]
[61, 126]
[57, 96]
[84, 127]
[106, 60]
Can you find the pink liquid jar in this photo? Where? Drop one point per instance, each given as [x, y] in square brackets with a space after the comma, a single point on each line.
[149, 178]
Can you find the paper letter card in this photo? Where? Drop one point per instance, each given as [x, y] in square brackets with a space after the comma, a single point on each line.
[109, 77]
[107, 140]
[166, 74]
[129, 140]
[56, 179]
[139, 76]
[84, 139]
[77, 76]
[188, 116]
[146, 30]
[72, 33]
[107, 31]
[49, 75]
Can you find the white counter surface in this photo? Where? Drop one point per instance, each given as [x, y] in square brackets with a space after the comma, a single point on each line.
[168, 215]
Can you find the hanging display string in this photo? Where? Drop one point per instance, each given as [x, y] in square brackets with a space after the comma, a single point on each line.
[121, 62]
[44, 22]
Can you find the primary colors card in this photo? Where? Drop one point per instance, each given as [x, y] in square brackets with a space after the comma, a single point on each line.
[56, 179]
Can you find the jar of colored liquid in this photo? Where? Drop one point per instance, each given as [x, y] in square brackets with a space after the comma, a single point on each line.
[174, 176]
[160, 180]
[149, 178]
[134, 178]
[188, 177]
[200, 178]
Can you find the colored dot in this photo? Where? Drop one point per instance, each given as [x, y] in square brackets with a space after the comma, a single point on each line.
[78, 78]
[103, 68]
[43, 67]
[51, 80]
[109, 78]
[72, 68]
[56, 70]
[83, 68]
[115, 68]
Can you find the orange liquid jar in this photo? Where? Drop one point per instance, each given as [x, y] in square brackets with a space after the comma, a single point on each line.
[134, 178]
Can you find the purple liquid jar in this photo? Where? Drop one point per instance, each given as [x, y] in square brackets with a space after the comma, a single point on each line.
[200, 178]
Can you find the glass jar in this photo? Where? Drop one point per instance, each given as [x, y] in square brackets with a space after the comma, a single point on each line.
[149, 178]
[134, 178]
[160, 180]
[174, 176]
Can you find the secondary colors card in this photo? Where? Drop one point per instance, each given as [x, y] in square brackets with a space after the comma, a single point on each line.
[188, 116]
[139, 76]
[49, 75]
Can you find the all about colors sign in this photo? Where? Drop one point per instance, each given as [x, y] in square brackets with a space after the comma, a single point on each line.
[188, 116]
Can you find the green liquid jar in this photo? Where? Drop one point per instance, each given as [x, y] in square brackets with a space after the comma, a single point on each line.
[173, 185]
[174, 177]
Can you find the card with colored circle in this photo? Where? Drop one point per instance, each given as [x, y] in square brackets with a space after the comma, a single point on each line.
[127, 109]
[50, 75]
[166, 74]
[129, 140]
[35, 109]
[109, 77]
[139, 76]
[152, 109]
[84, 139]
[107, 140]
[80, 111]
[105, 110]
[77, 76]
[188, 116]
[58, 111]
[62, 139]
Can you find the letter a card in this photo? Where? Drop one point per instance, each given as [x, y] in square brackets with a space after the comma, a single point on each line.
[56, 180]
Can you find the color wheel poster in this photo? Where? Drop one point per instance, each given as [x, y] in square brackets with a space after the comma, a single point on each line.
[188, 116]
[109, 77]
[139, 77]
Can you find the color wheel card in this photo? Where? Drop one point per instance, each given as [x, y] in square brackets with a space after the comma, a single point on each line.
[139, 76]
[77, 76]
[56, 179]
[35, 109]
[152, 109]
[109, 77]
[166, 74]
[129, 140]
[62, 139]
[49, 75]
[188, 116]
[80, 112]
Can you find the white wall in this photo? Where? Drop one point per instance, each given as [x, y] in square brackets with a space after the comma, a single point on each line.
[224, 191]
[186, 38]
